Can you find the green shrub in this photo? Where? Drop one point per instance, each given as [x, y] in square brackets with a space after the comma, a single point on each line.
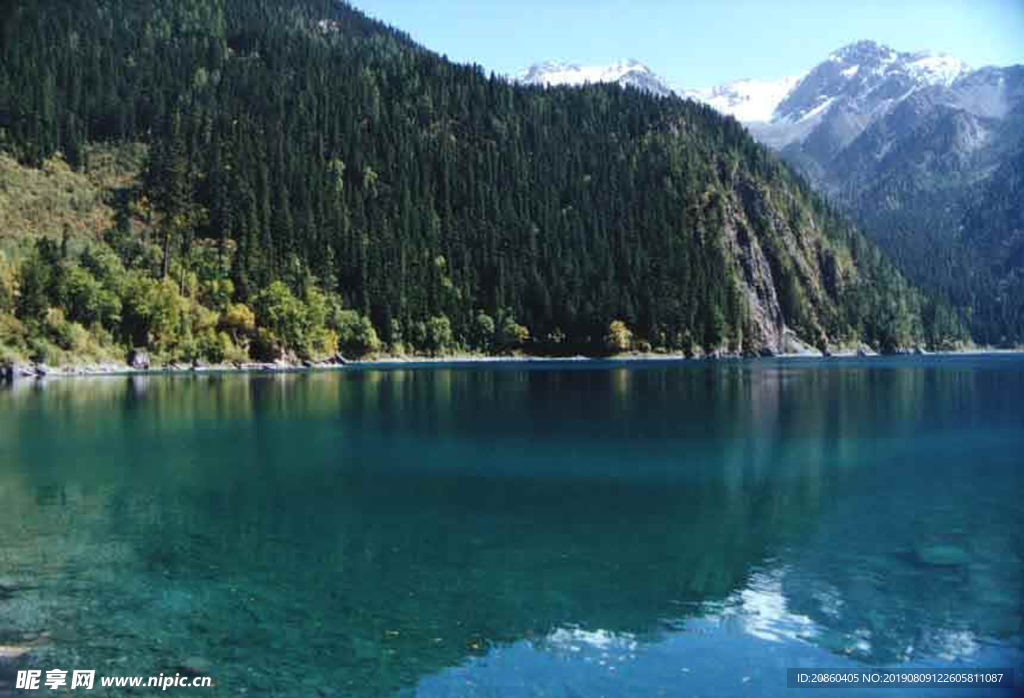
[40, 351]
[33, 300]
[356, 334]
[619, 337]
[439, 334]
[213, 346]
[8, 285]
[266, 346]
[510, 334]
[483, 331]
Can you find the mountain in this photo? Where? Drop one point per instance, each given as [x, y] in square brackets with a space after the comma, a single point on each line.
[629, 73]
[830, 106]
[281, 180]
[909, 143]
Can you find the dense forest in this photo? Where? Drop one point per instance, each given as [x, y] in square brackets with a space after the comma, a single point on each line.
[311, 180]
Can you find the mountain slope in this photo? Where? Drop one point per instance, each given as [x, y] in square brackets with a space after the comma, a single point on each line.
[315, 181]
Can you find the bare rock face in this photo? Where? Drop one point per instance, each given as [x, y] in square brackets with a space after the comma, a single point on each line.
[138, 359]
[755, 274]
[758, 288]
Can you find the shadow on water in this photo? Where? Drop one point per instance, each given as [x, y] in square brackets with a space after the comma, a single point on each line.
[360, 531]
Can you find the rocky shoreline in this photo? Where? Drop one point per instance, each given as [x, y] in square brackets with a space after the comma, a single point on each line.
[20, 371]
[32, 371]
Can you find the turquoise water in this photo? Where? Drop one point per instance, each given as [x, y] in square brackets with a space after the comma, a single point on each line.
[565, 529]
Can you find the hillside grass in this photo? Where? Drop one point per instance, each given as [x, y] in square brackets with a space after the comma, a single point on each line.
[46, 201]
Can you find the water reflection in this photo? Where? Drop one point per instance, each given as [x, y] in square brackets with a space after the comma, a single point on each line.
[364, 531]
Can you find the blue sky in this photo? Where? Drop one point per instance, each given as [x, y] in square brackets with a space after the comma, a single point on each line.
[703, 42]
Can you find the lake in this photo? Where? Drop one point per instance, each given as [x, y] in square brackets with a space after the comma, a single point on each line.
[565, 529]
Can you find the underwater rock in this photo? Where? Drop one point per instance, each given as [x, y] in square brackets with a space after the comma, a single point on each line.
[9, 589]
[942, 556]
[195, 666]
[15, 645]
[9, 653]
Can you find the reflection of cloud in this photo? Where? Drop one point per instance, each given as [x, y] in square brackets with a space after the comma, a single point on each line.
[950, 645]
[762, 611]
[611, 645]
[830, 601]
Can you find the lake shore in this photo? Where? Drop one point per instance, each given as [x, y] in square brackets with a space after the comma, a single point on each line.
[31, 371]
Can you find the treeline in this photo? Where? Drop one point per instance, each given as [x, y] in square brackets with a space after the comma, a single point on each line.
[315, 179]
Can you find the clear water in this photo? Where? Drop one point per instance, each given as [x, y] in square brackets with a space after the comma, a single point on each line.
[518, 530]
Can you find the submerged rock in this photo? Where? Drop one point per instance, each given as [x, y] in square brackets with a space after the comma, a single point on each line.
[12, 652]
[942, 556]
[195, 666]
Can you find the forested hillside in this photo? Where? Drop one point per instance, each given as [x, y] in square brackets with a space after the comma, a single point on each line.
[313, 180]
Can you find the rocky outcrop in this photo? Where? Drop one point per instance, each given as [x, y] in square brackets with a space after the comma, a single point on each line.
[758, 287]
[792, 345]
[138, 359]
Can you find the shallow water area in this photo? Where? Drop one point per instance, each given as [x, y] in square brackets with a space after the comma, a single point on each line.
[526, 529]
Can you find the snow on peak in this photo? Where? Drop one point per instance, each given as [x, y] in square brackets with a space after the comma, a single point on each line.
[936, 68]
[864, 52]
[747, 100]
[626, 72]
[853, 72]
[925, 67]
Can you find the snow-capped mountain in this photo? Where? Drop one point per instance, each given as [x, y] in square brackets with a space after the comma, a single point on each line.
[747, 100]
[837, 99]
[626, 73]
[866, 78]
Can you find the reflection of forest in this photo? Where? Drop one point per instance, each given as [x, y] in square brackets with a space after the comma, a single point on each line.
[364, 529]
